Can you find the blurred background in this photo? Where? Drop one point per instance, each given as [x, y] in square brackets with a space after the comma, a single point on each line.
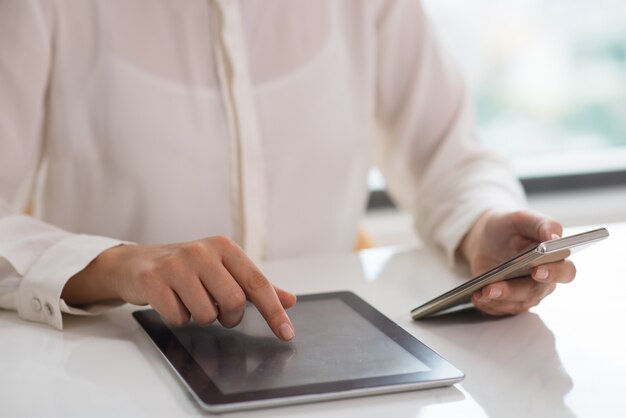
[549, 87]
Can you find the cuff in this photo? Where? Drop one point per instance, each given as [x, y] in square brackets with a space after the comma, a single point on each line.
[462, 218]
[39, 293]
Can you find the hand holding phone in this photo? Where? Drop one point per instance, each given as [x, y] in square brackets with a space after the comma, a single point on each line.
[519, 265]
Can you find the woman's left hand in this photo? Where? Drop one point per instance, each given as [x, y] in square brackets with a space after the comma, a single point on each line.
[496, 237]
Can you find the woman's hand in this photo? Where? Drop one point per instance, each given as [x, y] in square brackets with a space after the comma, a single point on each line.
[496, 237]
[205, 280]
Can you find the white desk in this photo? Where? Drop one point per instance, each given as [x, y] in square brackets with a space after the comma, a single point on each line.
[565, 358]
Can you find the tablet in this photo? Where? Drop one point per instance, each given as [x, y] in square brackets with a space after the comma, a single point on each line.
[343, 348]
[518, 266]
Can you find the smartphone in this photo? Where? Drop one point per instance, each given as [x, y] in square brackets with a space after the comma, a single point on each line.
[519, 265]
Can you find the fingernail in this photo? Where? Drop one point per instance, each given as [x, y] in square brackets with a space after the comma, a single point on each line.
[541, 273]
[555, 236]
[286, 332]
[495, 293]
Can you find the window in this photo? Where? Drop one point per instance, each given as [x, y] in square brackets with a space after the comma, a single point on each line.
[549, 79]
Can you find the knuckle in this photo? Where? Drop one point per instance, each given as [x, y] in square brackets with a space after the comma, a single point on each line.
[231, 322]
[547, 290]
[205, 317]
[519, 308]
[525, 306]
[497, 313]
[538, 291]
[177, 318]
[193, 249]
[275, 314]
[148, 274]
[170, 263]
[257, 281]
[233, 301]
[486, 310]
[550, 289]
[222, 241]
[170, 309]
[534, 296]
[521, 217]
[518, 215]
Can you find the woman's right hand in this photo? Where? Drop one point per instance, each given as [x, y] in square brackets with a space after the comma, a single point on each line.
[205, 280]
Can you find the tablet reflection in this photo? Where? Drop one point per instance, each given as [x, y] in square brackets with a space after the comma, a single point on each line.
[512, 365]
[236, 362]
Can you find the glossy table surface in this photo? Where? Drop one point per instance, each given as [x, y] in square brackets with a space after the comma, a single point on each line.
[567, 357]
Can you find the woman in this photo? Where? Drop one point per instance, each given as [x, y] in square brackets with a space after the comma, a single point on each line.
[251, 123]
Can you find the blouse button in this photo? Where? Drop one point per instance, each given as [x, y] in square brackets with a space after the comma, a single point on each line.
[35, 304]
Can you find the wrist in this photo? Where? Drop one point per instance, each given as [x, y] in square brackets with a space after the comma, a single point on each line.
[97, 281]
[470, 243]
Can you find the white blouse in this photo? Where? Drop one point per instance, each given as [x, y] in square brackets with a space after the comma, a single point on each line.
[158, 121]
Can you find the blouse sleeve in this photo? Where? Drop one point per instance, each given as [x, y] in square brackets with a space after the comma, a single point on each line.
[433, 162]
[36, 258]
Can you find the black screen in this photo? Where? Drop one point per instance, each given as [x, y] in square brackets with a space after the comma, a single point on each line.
[333, 343]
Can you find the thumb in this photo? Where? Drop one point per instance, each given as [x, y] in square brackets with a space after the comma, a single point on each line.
[537, 226]
[549, 230]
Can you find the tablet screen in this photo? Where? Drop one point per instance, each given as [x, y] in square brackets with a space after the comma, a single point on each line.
[332, 343]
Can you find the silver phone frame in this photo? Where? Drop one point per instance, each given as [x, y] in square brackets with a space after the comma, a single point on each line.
[515, 267]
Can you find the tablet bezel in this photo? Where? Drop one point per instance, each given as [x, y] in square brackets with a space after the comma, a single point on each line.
[441, 372]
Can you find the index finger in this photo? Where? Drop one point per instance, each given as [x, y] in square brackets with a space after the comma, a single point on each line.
[259, 290]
